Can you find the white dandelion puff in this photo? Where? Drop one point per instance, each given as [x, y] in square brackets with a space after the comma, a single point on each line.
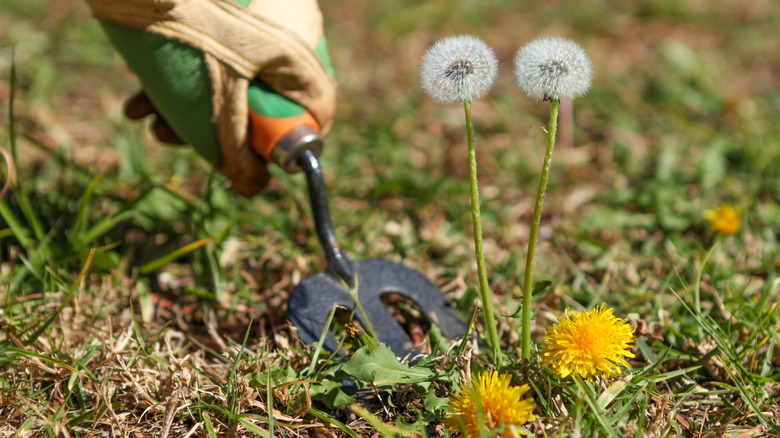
[552, 68]
[458, 69]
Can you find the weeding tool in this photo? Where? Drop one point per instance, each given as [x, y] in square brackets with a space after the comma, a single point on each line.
[291, 139]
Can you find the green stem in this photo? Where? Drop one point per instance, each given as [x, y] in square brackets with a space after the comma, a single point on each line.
[354, 294]
[484, 288]
[529, 259]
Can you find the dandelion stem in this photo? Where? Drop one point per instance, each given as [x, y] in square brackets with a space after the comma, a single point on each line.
[529, 260]
[484, 289]
[354, 294]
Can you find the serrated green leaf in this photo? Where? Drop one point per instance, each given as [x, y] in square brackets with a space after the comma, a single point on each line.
[434, 403]
[331, 393]
[381, 367]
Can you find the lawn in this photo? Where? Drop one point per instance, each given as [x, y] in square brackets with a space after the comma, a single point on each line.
[140, 296]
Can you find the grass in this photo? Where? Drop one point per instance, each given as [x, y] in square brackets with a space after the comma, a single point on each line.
[138, 295]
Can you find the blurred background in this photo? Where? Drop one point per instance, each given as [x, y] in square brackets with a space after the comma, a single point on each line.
[681, 117]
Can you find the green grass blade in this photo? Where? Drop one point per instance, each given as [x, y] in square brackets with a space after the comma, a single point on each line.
[173, 255]
[81, 213]
[17, 230]
[467, 335]
[103, 226]
[208, 426]
[222, 235]
[11, 99]
[26, 427]
[320, 342]
[68, 297]
[646, 351]
[145, 300]
[47, 359]
[328, 419]
[748, 399]
[29, 213]
[611, 393]
[19, 191]
[233, 391]
[138, 334]
[598, 412]
[216, 274]
[269, 395]
[674, 374]
[386, 430]
[254, 428]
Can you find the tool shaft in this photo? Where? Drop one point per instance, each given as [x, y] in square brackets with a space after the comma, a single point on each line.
[338, 263]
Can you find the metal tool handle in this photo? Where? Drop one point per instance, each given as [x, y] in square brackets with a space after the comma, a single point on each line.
[290, 137]
[318, 195]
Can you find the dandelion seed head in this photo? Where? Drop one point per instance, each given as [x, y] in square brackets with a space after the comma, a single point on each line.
[552, 68]
[458, 69]
[725, 220]
[501, 405]
[588, 343]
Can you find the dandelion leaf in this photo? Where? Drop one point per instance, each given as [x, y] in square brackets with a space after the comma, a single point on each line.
[331, 392]
[380, 367]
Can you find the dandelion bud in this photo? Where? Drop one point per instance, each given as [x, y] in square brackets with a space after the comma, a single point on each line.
[552, 68]
[458, 69]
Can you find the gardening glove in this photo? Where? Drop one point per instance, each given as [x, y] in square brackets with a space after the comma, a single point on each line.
[199, 62]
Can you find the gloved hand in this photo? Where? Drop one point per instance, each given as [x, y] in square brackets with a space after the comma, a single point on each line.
[196, 59]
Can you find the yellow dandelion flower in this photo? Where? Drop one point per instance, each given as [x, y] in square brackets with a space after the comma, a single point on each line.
[500, 403]
[588, 344]
[725, 220]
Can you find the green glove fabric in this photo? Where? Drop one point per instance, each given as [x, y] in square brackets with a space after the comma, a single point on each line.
[195, 60]
[176, 81]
